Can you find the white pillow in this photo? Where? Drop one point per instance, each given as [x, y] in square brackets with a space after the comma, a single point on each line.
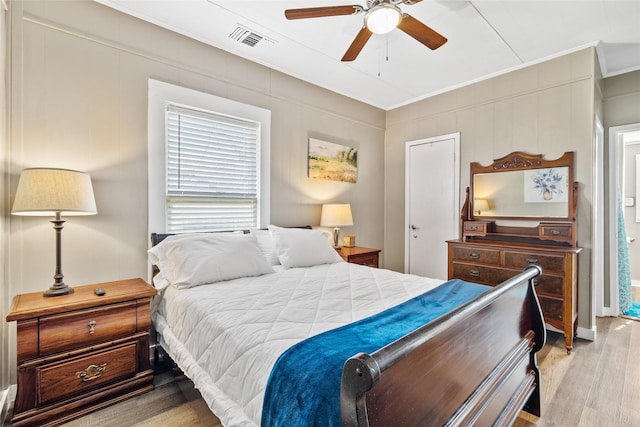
[298, 247]
[194, 259]
[267, 245]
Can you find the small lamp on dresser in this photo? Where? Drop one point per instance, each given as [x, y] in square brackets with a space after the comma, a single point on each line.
[53, 192]
[336, 215]
[480, 205]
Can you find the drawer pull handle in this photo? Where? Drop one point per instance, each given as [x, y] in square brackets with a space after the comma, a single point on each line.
[555, 232]
[532, 260]
[474, 273]
[92, 372]
[473, 227]
[92, 327]
[474, 255]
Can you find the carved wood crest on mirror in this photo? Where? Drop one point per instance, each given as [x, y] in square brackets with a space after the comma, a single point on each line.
[522, 187]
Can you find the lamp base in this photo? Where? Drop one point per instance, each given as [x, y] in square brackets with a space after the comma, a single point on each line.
[59, 287]
[336, 237]
[57, 290]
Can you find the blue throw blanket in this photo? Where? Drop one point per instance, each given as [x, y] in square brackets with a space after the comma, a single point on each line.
[304, 385]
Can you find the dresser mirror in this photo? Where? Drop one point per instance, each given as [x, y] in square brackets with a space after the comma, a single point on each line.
[523, 186]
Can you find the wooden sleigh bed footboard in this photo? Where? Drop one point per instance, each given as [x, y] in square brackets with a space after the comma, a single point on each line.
[474, 366]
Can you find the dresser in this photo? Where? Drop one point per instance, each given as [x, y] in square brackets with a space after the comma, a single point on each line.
[491, 263]
[81, 352]
[360, 255]
[521, 211]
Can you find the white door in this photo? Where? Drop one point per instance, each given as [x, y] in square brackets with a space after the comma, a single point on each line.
[432, 211]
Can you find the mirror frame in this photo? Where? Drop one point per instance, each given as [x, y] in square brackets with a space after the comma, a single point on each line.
[519, 160]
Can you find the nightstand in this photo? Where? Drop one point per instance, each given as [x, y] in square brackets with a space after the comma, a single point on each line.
[360, 255]
[81, 352]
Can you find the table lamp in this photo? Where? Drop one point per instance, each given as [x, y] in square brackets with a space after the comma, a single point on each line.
[336, 215]
[480, 205]
[53, 192]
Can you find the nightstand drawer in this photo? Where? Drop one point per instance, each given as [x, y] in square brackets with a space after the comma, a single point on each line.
[484, 256]
[370, 260]
[360, 255]
[63, 332]
[64, 379]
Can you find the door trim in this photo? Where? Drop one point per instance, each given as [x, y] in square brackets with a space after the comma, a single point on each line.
[407, 187]
[616, 147]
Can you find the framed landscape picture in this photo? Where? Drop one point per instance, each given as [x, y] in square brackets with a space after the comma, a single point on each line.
[332, 162]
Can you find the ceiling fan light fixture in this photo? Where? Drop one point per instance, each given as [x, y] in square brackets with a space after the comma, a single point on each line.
[383, 18]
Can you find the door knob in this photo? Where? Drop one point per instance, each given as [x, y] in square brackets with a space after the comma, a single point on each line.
[413, 227]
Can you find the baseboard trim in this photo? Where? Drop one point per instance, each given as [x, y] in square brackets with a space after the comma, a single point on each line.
[607, 312]
[586, 333]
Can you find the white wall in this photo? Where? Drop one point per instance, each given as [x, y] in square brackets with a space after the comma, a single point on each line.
[79, 101]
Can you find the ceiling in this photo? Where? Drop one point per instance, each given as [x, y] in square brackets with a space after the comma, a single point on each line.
[485, 38]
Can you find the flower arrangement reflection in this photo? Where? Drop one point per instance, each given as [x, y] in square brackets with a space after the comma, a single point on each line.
[549, 182]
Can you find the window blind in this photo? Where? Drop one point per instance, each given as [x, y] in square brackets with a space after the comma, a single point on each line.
[211, 171]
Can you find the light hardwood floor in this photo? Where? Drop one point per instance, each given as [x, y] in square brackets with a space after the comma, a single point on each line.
[597, 385]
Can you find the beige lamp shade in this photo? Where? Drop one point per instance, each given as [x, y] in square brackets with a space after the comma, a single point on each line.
[480, 205]
[336, 215]
[46, 191]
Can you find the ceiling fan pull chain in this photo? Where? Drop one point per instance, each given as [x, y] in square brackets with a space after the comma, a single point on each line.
[387, 45]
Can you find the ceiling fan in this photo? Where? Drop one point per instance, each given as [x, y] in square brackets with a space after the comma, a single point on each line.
[381, 16]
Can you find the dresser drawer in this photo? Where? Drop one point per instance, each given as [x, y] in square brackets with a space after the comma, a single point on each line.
[82, 328]
[484, 256]
[556, 232]
[480, 273]
[521, 260]
[551, 310]
[548, 284]
[64, 379]
[475, 228]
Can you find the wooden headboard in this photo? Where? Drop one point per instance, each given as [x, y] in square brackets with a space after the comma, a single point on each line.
[159, 237]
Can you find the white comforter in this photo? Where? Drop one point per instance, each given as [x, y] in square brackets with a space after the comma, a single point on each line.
[227, 336]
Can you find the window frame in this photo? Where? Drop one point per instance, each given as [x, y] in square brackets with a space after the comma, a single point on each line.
[160, 95]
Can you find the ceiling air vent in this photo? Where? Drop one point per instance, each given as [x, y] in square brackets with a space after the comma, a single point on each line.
[246, 36]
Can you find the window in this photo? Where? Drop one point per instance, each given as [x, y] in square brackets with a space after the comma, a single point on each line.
[207, 167]
[211, 165]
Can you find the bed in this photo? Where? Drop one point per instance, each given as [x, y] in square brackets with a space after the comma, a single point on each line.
[275, 329]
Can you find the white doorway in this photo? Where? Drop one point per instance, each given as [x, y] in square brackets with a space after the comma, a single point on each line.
[619, 138]
[432, 203]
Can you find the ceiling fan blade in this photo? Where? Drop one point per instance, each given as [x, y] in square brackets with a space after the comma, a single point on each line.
[357, 45]
[318, 12]
[419, 31]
